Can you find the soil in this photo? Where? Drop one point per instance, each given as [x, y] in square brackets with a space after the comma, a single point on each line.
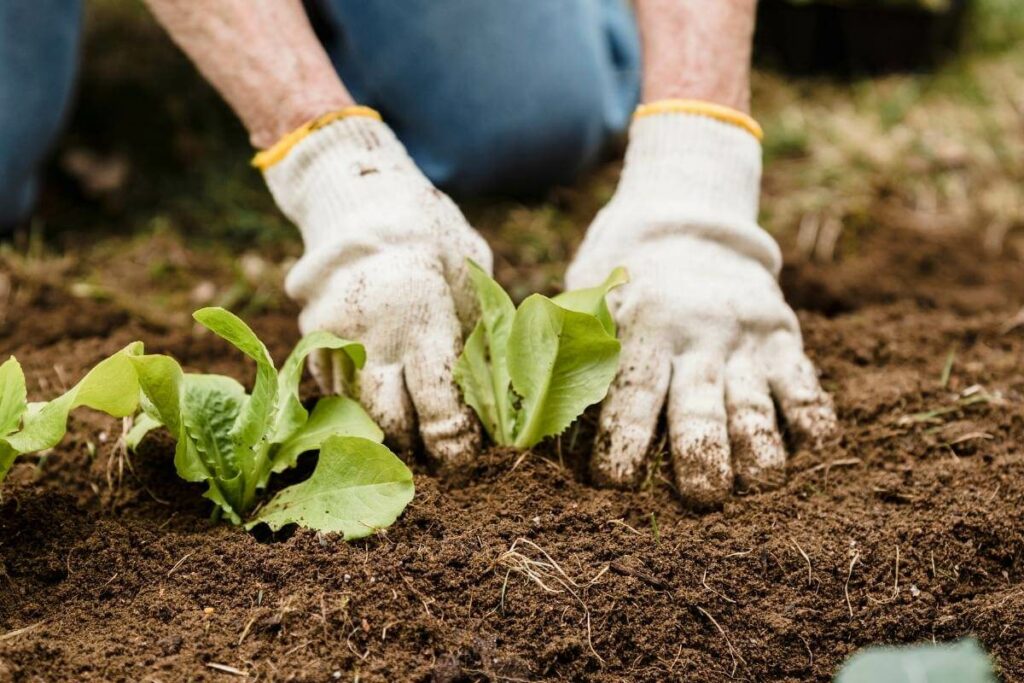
[908, 528]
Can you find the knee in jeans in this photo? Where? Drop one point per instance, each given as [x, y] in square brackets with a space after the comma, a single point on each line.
[543, 143]
[16, 199]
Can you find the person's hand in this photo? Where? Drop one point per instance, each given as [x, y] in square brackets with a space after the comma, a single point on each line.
[703, 323]
[385, 265]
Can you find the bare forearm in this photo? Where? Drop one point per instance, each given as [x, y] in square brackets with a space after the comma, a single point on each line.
[263, 58]
[697, 49]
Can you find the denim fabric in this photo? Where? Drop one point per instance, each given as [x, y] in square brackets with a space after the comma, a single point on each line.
[491, 95]
[488, 95]
[38, 57]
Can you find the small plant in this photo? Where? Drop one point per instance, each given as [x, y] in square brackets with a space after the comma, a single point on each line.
[233, 441]
[962, 662]
[929, 5]
[111, 387]
[529, 372]
[230, 440]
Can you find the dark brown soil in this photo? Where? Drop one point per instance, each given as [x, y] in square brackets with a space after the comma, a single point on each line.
[908, 529]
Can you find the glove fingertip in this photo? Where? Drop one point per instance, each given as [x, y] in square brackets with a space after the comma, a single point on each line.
[618, 455]
[812, 425]
[452, 446]
[701, 456]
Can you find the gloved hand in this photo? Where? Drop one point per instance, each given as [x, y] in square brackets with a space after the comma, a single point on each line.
[384, 264]
[703, 323]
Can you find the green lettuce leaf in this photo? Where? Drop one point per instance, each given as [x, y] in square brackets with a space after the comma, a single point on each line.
[332, 416]
[291, 414]
[13, 406]
[482, 369]
[358, 487]
[254, 423]
[473, 372]
[7, 457]
[211, 407]
[110, 387]
[142, 425]
[233, 441]
[160, 380]
[179, 401]
[560, 362]
[528, 373]
[13, 396]
[963, 662]
[592, 299]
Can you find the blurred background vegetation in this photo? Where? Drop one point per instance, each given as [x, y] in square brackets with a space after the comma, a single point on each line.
[931, 5]
[150, 199]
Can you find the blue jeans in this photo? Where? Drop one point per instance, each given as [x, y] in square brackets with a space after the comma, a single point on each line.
[491, 95]
[488, 95]
[38, 57]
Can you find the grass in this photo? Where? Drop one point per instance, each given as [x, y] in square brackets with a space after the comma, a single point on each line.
[938, 151]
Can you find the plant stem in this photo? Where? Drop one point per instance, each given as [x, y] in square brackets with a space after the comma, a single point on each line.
[501, 400]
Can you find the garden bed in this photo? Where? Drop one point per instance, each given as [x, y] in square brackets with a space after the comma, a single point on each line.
[907, 529]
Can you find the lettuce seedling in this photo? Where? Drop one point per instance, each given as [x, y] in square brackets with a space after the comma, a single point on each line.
[233, 441]
[962, 662]
[529, 372]
[26, 427]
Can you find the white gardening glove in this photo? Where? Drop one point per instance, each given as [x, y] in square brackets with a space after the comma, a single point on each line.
[703, 323]
[384, 264]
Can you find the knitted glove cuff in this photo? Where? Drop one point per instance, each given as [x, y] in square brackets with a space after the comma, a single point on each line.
[701, 175]
[321, 182]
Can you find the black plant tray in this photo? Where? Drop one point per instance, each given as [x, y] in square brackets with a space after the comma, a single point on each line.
[852, 39]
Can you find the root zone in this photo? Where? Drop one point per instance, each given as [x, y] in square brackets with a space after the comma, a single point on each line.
[906, 529]
[527, 559]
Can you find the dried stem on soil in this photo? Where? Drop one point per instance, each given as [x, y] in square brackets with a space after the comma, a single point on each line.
[224, 668]
[549, 576]
[1014, 322]
[624, 525]
[704, 582]
[181, 562]
[846, 586]
[736, 657]
[18, 631]
[245, 631]
[896, 584]
[842, 462]
[810, 570]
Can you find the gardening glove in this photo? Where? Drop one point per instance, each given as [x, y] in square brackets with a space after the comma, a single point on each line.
[384, 264]
[703, 323]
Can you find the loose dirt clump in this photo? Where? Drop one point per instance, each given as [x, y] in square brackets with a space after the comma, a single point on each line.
[907, 528]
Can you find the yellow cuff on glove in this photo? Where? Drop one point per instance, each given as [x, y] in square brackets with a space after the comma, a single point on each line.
[270, 156]
[701, 108]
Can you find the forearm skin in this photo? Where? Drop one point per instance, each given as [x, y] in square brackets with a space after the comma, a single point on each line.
[697, 49]
[263, 58]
